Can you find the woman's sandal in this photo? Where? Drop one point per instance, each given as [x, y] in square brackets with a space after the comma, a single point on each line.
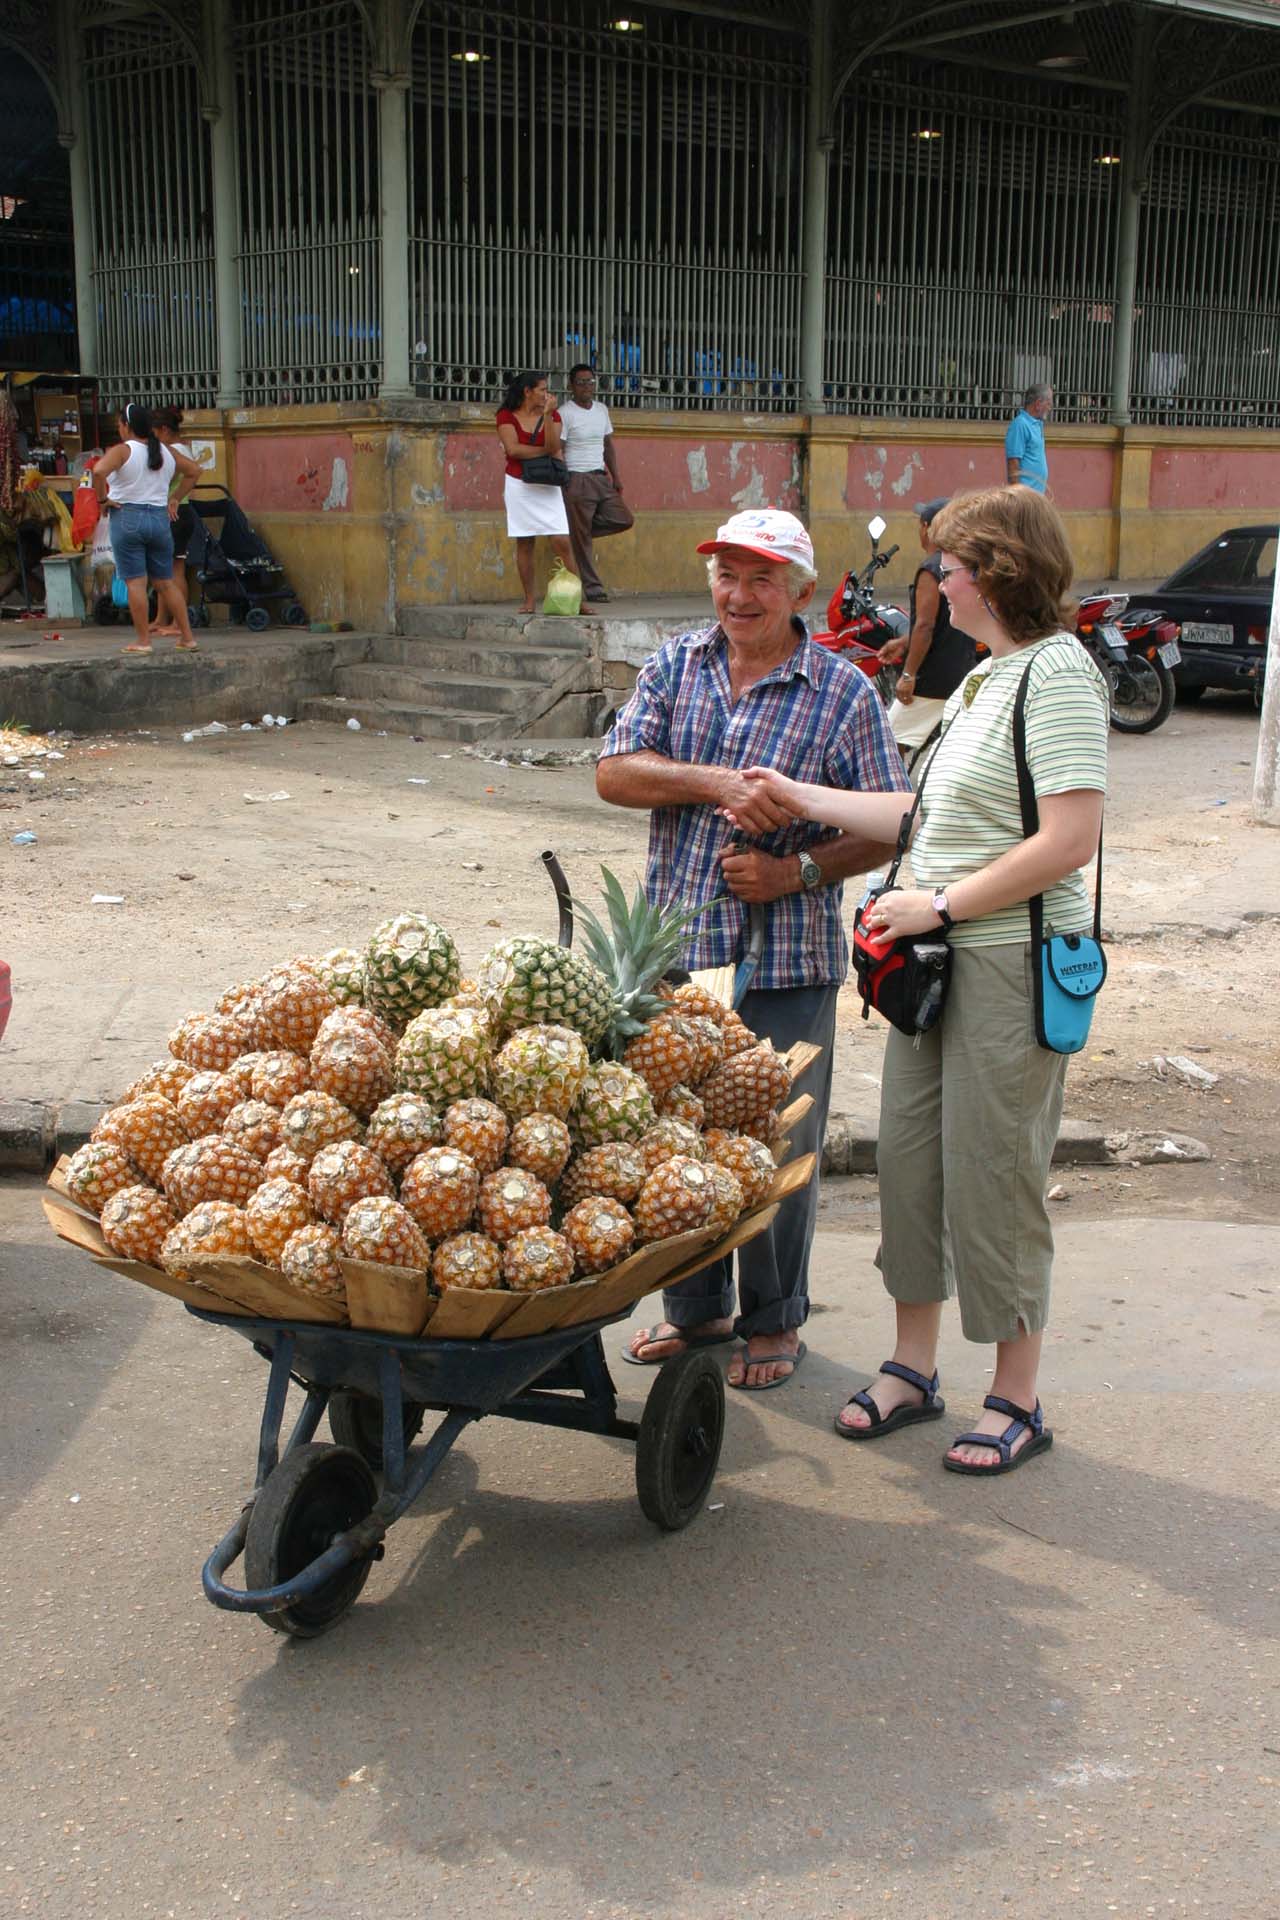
[1002, 1443]
[932, 1407]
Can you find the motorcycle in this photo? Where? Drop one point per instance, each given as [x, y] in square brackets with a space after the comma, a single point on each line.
[1136, 649]
[858, 625]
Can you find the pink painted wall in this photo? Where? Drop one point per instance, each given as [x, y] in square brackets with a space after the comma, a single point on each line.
[296, 473]
[659, 473]
[892, 479]
[1189, 479]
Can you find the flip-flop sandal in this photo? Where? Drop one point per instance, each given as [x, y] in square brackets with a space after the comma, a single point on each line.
[762, 1360]
[932, 1407]
[135, 646]
[1002, 1443]
[689, 1343]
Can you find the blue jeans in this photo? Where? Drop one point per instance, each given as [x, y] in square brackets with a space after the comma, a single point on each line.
[773, 1269]
[141, 542]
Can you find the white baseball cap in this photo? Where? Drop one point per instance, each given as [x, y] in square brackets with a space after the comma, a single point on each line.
[768, 531]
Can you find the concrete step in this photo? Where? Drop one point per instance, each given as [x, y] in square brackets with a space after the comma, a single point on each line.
[486, 660]
[391, 716]
[477, 628]
[438, 689]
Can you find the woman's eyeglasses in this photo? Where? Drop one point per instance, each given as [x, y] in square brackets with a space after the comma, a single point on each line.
[945, 573]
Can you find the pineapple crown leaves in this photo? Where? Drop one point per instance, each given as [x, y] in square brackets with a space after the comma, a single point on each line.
[641, 942]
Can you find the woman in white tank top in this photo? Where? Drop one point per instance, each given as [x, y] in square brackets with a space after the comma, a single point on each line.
[132, 483]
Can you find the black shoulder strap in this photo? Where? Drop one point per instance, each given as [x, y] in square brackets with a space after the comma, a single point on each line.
[1031, 817]
[909, 819]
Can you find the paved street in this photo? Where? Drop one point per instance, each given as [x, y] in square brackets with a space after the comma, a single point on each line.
[857, 1686]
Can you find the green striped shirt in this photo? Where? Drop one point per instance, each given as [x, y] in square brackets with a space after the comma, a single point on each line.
[970, 813]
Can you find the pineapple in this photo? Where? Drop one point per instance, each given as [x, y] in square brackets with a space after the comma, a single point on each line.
[667, 1138]
[540, 1143]
[749, 1084]
[444, 1055]
[675, 1198]
[353, 1067]
[175, 1250]
[615, 1171]
[205, 1101]
[539, 1070]
[535, 1259]
[692, 999]
[478, 1129]
[613, 1104]
[292, 1002]
[510, 1201]
[254, 1126]
[209, 1042]
[282, 1163]
[310, 1260]
[135, 1221]
[274, 1077]
[97, 1170]
[601, 1232]
[641, 944]
[216, 1226]
[210, 1169]
[727, 1199]
[274, 1212]
[378, 1228]
[343, 1173]
[682, 1103]
[764, 1128]
[440, 1188]
[245, 1065]
[737, 1035]
[403, 1126]
[467, 1260]
[528, 982]
[709, 1037]
[147, 1129]
[166, 1077]
[350, 1019]
[314, 1120]
[410, 964]
[666, 1053]
[342, 971]
[750, 1162]
[241, 1001]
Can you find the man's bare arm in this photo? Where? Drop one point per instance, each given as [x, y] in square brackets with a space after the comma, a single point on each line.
[648, 779]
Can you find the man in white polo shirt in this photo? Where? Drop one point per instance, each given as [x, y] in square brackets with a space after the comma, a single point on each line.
[593, 498]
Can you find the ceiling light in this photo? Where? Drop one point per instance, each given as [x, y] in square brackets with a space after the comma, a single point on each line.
[626, 26]
[1107, 160]
[469, 56]
[1065, 46]
[929, 133]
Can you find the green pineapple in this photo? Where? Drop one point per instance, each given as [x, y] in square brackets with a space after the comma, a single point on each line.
[410, 964]
[528, 982]
[613, 1104]
[342, 971]
[444, 1055]
[539, 1070]
[641, 943]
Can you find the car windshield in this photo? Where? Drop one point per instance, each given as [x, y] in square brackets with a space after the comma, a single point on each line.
[1238, 563]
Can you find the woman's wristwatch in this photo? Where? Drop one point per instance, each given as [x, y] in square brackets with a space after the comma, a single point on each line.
[943, 911]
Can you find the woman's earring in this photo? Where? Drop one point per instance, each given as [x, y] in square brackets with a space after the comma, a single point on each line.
[987, 604]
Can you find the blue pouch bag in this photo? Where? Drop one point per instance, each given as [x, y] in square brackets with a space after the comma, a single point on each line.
[119, 591]
[1068, 968]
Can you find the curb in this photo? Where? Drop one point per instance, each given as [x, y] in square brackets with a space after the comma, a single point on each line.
[33, 1134]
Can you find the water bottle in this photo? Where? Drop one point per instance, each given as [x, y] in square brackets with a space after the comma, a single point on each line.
[875, 885]
[876, 943]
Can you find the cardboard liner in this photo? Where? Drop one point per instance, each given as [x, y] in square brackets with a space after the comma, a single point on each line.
[386, 1299]
[800, 1058]
[540, 1312]
[82, 1230]
[637, 1275]
[469, 1313]
[746, 1227]
[264, 1291]
[789, 1117]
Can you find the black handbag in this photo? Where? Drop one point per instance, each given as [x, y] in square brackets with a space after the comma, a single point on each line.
[548, 470]
[906, 979]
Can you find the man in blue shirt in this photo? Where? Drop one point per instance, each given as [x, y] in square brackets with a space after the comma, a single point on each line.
[1024, 454]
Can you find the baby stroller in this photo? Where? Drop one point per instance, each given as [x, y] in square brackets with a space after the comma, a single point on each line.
[234, 566]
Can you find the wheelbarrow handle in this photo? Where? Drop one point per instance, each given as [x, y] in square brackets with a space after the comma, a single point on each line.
[749, 965]
[564, 901]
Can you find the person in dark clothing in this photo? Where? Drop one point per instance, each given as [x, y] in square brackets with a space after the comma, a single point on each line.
[936, 656]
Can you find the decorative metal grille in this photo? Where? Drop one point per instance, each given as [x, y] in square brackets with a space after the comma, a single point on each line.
[584, 194]
[37, 297]
[309, 261]
[149, 169]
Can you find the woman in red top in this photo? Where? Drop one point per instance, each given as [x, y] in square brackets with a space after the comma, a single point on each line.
[528, 427]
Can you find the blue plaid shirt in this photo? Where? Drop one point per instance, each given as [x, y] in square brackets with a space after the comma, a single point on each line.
[816, 718]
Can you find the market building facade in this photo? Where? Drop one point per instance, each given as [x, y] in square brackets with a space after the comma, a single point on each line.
[815, 251]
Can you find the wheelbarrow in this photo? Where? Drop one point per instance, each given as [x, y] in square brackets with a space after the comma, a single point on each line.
[317, 1518]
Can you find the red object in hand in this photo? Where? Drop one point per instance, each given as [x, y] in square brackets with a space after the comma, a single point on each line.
[6, 997]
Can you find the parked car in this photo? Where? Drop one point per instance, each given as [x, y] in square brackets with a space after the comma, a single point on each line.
[1221, 598]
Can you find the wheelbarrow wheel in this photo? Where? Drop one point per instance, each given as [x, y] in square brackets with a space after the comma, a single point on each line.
[355, 1421]
[315, 1493]
[678, 1446]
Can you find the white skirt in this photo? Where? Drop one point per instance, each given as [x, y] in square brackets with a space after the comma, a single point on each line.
[533, 510]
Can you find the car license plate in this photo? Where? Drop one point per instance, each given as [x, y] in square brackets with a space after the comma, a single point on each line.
[1170, 653]
[1197, 634]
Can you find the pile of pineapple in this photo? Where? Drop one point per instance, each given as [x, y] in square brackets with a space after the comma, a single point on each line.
[520, 1129]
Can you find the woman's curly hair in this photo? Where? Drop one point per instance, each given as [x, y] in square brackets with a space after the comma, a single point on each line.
[1017, 546]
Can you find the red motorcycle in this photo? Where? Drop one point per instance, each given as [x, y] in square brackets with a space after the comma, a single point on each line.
[858, 625]
[1136, 649]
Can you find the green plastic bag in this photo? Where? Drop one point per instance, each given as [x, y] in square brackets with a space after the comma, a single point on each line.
[564, 591]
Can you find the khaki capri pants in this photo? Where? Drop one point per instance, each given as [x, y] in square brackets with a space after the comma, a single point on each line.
[968, 1122]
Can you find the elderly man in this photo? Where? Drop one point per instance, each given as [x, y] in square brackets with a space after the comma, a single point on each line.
[753, 689]
[1026, 462]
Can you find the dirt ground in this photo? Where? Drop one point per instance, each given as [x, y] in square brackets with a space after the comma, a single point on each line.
[236, 850]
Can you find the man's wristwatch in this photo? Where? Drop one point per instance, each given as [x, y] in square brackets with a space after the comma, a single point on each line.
[810, 872]
[943, 911]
